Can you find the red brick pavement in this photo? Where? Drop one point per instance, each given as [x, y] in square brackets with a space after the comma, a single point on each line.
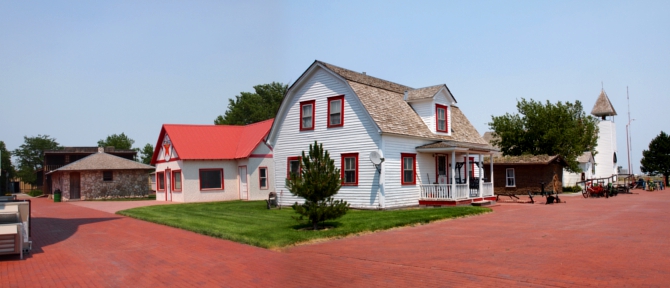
[620, 241]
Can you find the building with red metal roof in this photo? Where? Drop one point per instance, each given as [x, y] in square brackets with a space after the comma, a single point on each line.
[197, 163]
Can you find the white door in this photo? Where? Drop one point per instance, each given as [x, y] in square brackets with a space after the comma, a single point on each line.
[244, 191]
[168, 185]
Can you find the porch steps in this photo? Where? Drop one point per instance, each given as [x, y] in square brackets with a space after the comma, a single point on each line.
[482, 203]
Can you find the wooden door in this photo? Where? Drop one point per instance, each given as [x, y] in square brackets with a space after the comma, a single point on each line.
[244, 189]
[75, 192]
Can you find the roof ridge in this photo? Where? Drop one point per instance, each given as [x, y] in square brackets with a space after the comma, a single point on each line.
[361, 75]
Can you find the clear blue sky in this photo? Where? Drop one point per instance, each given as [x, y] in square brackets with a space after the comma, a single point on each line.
[81, 70]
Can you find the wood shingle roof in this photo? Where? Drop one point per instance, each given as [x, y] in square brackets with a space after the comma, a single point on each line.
[603, 106]
[384, 101]
[104, 161]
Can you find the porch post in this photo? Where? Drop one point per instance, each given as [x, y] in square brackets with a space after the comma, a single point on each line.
[467, 173]
[453, 177]
[491, 164]
[481, 174]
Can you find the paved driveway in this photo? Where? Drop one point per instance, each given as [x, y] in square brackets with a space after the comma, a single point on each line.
[621, 241]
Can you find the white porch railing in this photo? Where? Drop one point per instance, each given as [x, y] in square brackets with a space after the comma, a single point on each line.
[436, 191]
[487, 189]
[462, 191]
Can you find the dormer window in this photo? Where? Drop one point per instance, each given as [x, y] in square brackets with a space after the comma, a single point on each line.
[441, 118]
[307, 115]
[336, 111]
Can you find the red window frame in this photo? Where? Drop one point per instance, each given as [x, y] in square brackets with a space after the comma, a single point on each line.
[335, 98]
[210, 169]
[160, 176]
[349, 155]
[446, 118]
[181, 181]
[267, 178]
[303, 103]
[402, 168]
[288, 165]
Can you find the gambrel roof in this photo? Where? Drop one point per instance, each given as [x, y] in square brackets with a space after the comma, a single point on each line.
[384, 101]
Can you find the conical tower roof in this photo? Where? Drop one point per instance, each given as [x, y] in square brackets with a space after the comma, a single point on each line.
[603, 106]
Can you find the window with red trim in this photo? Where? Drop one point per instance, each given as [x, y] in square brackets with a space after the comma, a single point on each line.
[441, 124]
[307, 115]
[160, 180]
[349, 169]
[292, 166]
[176, 180]
[336, 111]
[263, 177]
[211, 179]
[408, 168]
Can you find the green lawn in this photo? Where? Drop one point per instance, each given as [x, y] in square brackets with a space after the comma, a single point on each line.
[251, 223]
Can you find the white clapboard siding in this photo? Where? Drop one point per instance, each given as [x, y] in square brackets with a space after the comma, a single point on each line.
[426, 110]
[396, 194]
[606, 148]
[358, 135]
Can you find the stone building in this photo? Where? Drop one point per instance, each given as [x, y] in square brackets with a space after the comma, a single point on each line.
[101, 175]
[520, 174]
[54, 159]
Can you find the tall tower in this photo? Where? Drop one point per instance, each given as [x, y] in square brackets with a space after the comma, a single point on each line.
[606, 158]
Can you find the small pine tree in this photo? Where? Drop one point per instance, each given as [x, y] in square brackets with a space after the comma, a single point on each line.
[317, 182]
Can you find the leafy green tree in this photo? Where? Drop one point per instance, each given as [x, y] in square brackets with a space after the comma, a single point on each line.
[31, 156]
[254, 107]
[147, 152]
[120, 141]
[656, 160]
[7, 169]
[554, 129]
[317, 182]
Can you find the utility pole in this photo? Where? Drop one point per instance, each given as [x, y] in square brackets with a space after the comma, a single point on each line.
[629, 143]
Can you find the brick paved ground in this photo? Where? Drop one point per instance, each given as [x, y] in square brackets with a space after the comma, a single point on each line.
[621, 241]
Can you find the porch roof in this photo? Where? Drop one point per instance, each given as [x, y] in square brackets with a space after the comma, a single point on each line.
[456, 146]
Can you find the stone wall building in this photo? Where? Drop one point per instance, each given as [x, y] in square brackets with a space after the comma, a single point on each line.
[101, 175]
[54, 159]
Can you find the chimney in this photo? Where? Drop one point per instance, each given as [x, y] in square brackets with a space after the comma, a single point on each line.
[101, 149]
[405, 98]
[364, 73]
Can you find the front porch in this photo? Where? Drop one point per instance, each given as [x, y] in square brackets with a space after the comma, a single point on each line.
[456, 194]
[457, 182]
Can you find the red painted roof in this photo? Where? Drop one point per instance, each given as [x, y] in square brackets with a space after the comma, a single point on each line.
[213, 142]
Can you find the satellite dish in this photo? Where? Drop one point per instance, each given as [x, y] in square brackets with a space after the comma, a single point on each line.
[375, 158]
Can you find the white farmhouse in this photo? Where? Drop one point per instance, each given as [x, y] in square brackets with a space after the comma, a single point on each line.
[197, 163]
[426, 143]
[586, 163]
